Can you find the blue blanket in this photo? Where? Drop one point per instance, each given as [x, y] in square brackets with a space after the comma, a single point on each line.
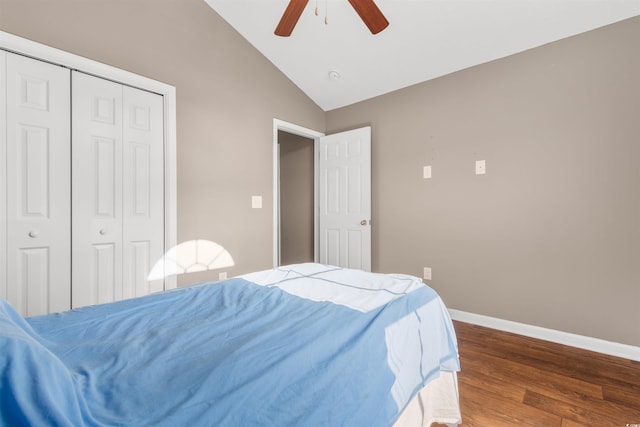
[231, 353]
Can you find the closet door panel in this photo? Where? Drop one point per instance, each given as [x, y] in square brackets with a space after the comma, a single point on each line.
[143, 190]
[37, 185]
[104, 283]
[96, 190]
[33, 274]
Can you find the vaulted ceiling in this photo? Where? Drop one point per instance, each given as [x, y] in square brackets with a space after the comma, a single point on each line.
[341, 62]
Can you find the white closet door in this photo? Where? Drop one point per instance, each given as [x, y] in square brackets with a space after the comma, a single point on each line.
[96, 190]
[143, 190]
[37, 185]
[117, 190]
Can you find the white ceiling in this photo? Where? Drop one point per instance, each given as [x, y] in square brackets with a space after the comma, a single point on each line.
[425, 38]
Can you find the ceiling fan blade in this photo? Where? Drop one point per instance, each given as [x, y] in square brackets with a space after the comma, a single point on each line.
[370, 14]
[290, 17]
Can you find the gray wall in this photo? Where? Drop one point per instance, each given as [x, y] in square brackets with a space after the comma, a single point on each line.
[296, 198]
[550, 236]
[227, 97]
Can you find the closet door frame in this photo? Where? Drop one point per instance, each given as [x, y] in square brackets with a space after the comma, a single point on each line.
[3, 183]
[46, 53]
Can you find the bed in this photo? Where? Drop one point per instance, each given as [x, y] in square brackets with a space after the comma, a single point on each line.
[300, 345]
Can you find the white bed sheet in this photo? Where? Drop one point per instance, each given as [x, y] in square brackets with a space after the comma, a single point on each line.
[437, 402]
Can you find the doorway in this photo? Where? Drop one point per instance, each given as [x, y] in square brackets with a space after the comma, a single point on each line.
[296, 226]
[341, 196]
[297, 237]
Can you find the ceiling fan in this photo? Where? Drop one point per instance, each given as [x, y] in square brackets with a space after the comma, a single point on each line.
[367, 9]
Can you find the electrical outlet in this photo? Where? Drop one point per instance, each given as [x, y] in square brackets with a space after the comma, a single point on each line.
[426, 275]
[222, 275]
[256, 202]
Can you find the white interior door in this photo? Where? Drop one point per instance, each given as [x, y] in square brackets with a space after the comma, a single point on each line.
[117, 190]
[36, 276]
[96, 190]
[344, 187]
[143, 190]
[37, 186]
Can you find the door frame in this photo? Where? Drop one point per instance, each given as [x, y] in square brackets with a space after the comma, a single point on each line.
[281, 125]
[22, 46]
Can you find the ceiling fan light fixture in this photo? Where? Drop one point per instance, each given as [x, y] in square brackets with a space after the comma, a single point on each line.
[367, 9]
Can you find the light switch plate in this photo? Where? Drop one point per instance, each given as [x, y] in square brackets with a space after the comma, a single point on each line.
[427, 273]
[481, 167]
[256, 202]
[426, 172]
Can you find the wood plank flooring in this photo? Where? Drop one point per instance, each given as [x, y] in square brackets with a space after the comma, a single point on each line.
[512, 380]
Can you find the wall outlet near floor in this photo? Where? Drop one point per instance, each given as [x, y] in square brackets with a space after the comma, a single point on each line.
[426, 275]
[222, 275]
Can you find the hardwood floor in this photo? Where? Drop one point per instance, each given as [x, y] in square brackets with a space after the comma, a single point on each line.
[512, 380]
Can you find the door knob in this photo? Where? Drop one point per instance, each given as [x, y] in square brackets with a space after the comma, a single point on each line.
[103, 232]
[363, 222]
[33, 234]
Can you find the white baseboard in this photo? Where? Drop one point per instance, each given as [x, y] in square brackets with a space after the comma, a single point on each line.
[593, 344]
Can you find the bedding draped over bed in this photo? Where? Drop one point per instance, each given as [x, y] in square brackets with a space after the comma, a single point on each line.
[275, 348]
